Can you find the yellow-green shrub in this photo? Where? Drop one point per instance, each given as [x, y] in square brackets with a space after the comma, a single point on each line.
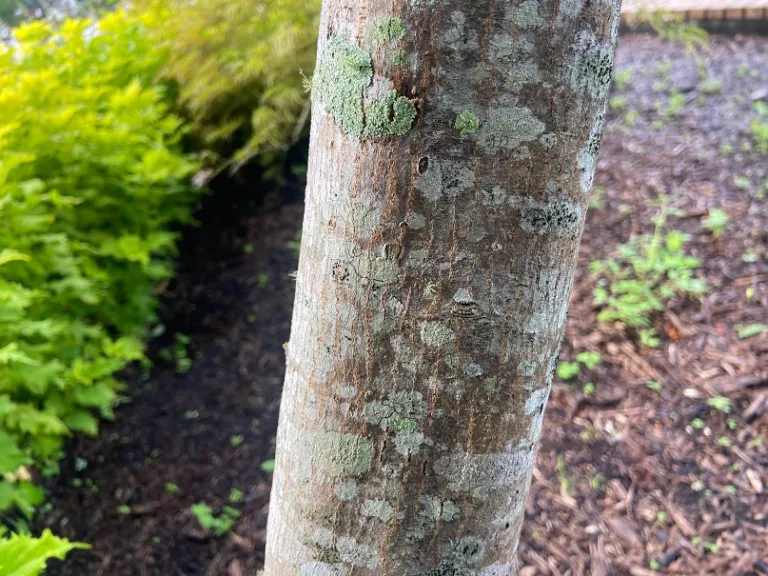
[92, 181]
[237, 64]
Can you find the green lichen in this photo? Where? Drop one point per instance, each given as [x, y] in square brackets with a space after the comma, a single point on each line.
[380, 509]
[467, 123]
[390, 30]
[401, 58]
[392, 116]
[343, 454]
[405, 425]
[558, 217]
[344, 71]
[507, 127]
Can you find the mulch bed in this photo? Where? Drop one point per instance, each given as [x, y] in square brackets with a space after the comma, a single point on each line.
[624, 483]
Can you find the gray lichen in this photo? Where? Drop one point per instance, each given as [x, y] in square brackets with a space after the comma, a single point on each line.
[437, 335]
[524, 16]
[507, 127]
[380, 509]
[343, 454]
[471, 472]
[592, 66]
[343, 73]
[408, 443]
[557, 217]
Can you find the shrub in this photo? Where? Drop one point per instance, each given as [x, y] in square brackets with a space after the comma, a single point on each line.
[238, 67]
[91, 184]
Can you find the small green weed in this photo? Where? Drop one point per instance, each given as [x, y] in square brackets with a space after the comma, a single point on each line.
[618, 102]
[721, 403]
[178, 353]
[750, 330]
[674, 106]
[235, 440]
[716, 221]
[647, 272]
[623, 77]
[759, 126]
[654, 385]
[218, 525]
[171, 488]
[268, 466]
[569, 370]
[711, 85]
[236, 496]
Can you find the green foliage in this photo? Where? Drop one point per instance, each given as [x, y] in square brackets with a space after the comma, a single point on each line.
[590, 359]
[238, 67]
[568, 370]
[750, 330]
[674, 106]
[759, 126]
[623, 77]
[716, 221]
[268, 465]
[721, 403]
[647, 272]
[22, 555]
[671, 26]
[91, 182]
[218, 525]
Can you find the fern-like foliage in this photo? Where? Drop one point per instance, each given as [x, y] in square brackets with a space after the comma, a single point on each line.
[237, 65]
[22, 555]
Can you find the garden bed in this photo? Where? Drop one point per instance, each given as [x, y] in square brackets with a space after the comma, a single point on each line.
[631, 478]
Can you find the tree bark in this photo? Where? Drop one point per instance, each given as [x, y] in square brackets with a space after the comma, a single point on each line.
[451, 158]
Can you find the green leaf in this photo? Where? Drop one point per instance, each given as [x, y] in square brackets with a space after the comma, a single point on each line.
[22, 555]
[82, 421]
[750, 330]
[11, 456]
[268, 466]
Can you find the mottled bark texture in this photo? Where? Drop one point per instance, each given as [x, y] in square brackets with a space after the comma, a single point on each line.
[452, 152]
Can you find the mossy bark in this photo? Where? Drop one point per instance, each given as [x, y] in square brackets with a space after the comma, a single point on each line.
[435, 271]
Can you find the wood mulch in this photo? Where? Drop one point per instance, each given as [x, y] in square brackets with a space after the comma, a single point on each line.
[629, 480]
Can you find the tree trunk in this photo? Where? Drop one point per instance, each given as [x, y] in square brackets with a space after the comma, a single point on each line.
[451, 158]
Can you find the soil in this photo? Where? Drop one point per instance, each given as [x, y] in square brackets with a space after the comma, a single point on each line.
[625, 484]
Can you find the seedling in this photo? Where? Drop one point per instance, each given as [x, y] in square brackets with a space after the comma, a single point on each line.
[268, 465]
[235, 440]
[623, 77]
[721, 403]
[750, 330]
[218, 525]
[645, 274]
[716, 221]
[171, 488]
[654, 385]
[236, 496]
